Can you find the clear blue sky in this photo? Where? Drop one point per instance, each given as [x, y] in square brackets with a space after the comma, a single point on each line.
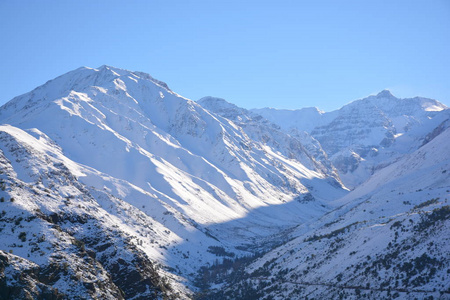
[284, 54]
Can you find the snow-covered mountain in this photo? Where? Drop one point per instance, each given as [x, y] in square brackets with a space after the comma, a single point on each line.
[304, 119]
[301, 147]
[112, 186]
[366, 134]
[112, 167]
[62, 239]
[386, 239]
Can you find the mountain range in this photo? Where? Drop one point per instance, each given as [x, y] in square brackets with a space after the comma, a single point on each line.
[113, 186]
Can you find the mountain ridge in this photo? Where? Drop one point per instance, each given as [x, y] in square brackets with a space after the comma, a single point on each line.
[131, 144]
[358, 134]
[112, 168]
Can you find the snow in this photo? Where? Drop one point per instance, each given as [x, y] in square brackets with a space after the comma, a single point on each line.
[169, 178]
[394, 197]
[148, 156]
[390, 125]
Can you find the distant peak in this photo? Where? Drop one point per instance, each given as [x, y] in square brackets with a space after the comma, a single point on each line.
[215, 101]
[385, 94]
[313, 109]
[223, 108]
[109, 68]
[212, 99]
[124, 72]
[113, 70]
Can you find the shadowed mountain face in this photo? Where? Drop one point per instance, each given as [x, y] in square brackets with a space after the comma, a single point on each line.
[113, 186]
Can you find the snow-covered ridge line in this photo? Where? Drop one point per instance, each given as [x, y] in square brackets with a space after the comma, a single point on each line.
[113, 186]
[169, 178]
[366, 134]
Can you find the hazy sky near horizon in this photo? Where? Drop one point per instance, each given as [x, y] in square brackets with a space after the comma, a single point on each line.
[283, 54]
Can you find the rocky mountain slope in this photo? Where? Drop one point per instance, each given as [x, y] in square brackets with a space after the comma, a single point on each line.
[71, 238]
[119, 187]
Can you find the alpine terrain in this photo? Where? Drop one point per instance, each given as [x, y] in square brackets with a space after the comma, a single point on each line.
[113, 186]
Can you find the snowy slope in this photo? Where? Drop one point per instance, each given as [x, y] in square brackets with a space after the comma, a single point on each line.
[304, 119]
[175, 185]
[301, 146]
[112, 186]
[366, 134]
[386, 239]
[69, 239]
[156, 140]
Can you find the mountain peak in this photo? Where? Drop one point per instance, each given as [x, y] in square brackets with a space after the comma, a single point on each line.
[210, 101]
[385, 94]
[223, 108]
[114, 70]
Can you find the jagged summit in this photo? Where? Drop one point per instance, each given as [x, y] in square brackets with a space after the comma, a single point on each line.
[361, 131]
[119, 71]
[83, 79]
[109, 86]
[106, 69]
[223, 108]
[210, 101]
[385, 94]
